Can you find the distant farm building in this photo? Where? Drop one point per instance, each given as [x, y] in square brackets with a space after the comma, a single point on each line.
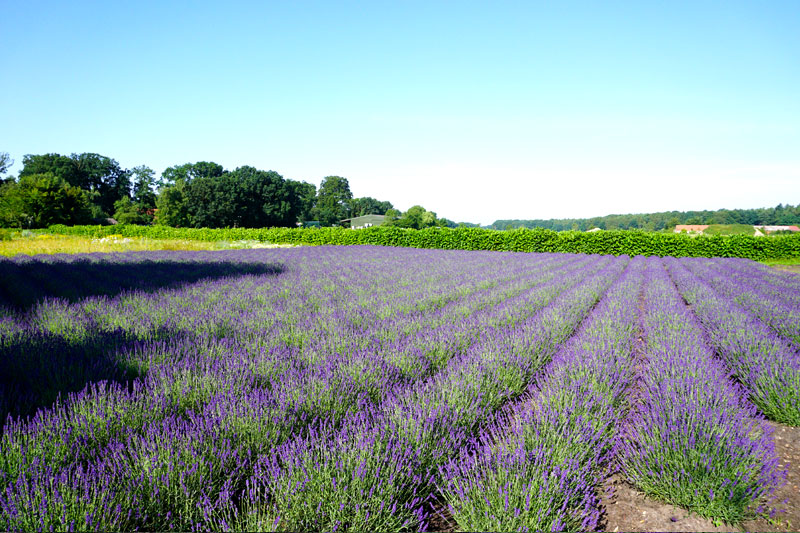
[772, 229]
[691, 228]
[366, 221]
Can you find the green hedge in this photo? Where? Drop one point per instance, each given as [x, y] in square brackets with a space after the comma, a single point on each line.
[519, 240]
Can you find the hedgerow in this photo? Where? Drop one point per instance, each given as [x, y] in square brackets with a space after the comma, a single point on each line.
[520, 240]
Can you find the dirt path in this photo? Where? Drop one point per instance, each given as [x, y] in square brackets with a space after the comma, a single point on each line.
[440, 520]
[787, 498]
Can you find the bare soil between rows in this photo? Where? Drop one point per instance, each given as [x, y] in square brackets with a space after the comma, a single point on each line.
[627, 509]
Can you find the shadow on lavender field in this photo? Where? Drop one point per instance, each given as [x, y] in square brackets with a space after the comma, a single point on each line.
[37, 369]
[40, 361]
[24, 280]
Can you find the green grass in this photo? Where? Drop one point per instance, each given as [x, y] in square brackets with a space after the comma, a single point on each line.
[791, 264]
[729, 229]
[785, 262]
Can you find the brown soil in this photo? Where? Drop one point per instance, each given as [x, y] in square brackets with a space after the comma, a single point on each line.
[627, 509]
[440, 519]
[787, 498]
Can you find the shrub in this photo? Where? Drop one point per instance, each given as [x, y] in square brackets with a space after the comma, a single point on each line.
[621, 242]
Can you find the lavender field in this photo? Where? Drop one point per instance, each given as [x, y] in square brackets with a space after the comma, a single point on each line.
[366, 388]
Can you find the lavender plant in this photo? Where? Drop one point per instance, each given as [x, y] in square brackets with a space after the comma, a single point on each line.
[694, 440]
[441, 414]
[780, 310]
[538, 467]
[767, 364]
[359, 478]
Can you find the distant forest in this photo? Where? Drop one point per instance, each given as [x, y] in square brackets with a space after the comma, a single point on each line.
[780, 215]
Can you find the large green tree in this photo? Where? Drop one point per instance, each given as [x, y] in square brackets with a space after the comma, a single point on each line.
[209, 204]
[268, 200]
[5, 164]
[145, 185]
[139, 208]
[333, 200]
[171, 205]
[39, 200]
[102, 177]
[306, 195]
[245, 197]
[368, 206]
[190, 171]
[171, 208]
[63, 166]
[418, 217]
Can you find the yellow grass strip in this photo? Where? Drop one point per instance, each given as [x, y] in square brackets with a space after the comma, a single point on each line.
[66, 244]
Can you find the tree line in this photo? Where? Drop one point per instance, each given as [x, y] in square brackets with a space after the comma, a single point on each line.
[780, 215]
[91, 188]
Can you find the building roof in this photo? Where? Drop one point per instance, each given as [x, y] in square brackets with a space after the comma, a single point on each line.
[365, 221]
[779, 228]
[691, 227]
[365, 218]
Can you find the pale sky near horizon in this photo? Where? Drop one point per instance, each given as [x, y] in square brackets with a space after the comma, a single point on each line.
[478, 111]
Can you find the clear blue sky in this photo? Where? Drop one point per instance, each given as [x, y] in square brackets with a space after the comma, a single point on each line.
[477, 111]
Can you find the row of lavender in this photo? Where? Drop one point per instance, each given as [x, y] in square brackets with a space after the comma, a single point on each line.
[770, 298]
[539, 466]
[714, 445]
[750, 338]
[380, 469]
[669, 418]
[693, 439]
[117, 338]
[356, 389]
[190, 441]
[100, 337]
